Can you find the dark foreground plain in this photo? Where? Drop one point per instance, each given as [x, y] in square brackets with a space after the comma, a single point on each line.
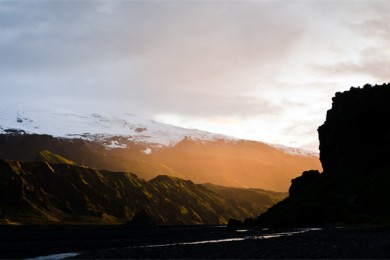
[121, 242]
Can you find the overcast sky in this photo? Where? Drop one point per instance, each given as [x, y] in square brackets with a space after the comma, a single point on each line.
[261, 70]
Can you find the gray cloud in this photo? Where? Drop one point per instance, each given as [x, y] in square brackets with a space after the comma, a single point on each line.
[183, 57]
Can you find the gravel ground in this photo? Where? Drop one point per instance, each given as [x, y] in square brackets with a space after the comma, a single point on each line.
[121, 242]
[329, 243]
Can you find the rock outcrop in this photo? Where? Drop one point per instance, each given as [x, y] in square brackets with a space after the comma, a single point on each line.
[354, 152]
[356, 133]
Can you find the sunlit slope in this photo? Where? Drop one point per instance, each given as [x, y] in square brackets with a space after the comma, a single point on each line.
[41, 192]
[239, 164]
[47, 156]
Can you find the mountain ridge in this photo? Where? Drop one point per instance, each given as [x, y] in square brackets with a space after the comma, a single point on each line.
[41, 192]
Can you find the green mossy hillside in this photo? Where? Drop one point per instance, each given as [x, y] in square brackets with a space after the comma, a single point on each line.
[45, 192]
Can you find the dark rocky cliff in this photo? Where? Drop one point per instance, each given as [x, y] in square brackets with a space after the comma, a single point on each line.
[356, 133]
[355, 155]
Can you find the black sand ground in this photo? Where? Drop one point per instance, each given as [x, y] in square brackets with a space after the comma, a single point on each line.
[120, 242]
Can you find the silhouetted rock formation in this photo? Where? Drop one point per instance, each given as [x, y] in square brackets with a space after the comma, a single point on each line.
[355, 152]
[305, 180]
[356, 133]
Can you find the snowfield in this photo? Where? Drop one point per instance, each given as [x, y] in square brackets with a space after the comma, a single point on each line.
[96, 127]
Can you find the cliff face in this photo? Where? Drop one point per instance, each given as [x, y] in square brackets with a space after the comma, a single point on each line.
[355, 153]
[356, 133]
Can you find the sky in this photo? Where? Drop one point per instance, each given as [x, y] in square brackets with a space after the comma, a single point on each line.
[261, 70]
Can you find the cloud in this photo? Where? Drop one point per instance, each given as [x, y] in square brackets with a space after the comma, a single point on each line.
[190, 58]
[267, 64]
[374, 63]
[370, 45]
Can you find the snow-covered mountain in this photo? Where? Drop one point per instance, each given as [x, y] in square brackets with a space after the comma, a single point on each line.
[148, 148]
[87, 126]
[102, 128]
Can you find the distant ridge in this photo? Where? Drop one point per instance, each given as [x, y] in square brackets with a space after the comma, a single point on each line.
[96, 127]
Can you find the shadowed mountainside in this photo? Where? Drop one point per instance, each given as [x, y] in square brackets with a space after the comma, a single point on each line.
[354, 151]
[229, 163]
[42, 192]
